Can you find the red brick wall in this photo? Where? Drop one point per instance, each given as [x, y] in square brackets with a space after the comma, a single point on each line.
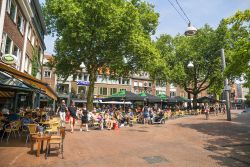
[52, 80]
[29, 49]
[11, 29]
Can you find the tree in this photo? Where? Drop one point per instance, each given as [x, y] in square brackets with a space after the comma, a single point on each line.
[112, 36]
[36, 64]
[239, 45]
[200, 49]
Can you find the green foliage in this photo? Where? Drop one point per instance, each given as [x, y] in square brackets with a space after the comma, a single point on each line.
[106, 35]
[201, 50]
[35, 62]
[239, 46]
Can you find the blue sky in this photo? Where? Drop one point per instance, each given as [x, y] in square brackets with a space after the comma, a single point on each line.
[199, 12]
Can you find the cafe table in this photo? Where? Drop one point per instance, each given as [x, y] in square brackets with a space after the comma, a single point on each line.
[40, 141]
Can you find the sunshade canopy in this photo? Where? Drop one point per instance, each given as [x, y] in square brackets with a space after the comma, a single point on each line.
[124, 96]
[178, 99]
[206, 99]
[163, 97]
[150, 98]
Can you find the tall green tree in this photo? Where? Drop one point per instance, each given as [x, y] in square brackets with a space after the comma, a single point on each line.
[239, 45]
[111, 35]
[201, 51]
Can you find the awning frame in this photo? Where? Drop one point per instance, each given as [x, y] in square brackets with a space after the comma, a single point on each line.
[30, 80]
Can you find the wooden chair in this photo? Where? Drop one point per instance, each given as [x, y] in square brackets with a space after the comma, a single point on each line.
[12, 127]
[32, 130]
[53, 128]
[58, 141]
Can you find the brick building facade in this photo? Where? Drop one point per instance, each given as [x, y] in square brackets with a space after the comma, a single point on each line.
[22, 32]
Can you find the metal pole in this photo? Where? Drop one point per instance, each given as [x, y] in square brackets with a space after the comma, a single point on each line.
[226, 91]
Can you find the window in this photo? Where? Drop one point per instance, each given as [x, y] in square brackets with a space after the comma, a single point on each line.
[103, 91]
[47, 74]
[16, 51]
[125, 81]
[26, 63]
[29, 32]
[120, 81]
[149, 84]
[172, 94]
[30, 67]
[113, 91]
[135, 83]
[20, 23]
[86, 77]
[123, 89]
[99, 78]
[81, 90]
[33, 40]
[8, 45]
[63, 88]
[11, 9]
[140, 84]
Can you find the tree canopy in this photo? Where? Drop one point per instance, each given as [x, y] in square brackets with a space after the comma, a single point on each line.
[201, 50]
[111, 35]
[238, 27]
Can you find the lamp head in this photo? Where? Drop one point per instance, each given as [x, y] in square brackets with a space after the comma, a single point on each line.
[191, 30]
[190, 65]
[82, 65]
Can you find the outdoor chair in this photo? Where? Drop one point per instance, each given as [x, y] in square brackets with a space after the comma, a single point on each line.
[12, 128]
[32, 130]
[56, 140]
[182, 113]
[53, 128]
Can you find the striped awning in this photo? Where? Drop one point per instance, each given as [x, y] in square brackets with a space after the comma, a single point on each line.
[6, 94]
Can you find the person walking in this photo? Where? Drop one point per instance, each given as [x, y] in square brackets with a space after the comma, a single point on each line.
[145, 114]
[207, 109]
[73, 117]
[62, 109]
[85, 119]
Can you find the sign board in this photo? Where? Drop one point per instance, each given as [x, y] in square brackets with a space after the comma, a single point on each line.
[84, 83]
[9, 59]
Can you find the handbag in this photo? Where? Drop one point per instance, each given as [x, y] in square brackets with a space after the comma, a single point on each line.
[67, 116]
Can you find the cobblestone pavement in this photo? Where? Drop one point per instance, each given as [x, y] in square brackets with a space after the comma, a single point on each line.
[188, 141]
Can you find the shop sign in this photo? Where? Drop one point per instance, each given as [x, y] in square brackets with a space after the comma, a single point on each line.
[85, 83]
[9, 59]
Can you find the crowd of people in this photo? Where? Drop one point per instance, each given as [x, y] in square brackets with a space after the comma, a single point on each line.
[106, 117]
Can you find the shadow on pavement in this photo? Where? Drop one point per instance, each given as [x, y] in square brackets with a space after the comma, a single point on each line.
[229, 141]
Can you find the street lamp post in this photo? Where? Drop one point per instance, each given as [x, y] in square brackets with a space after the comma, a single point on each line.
[226, 87]
[191, 31]
[161, 104]
[190, 65]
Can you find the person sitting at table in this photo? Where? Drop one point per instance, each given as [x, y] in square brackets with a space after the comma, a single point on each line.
[5, 110]
[12, 117]
[27, 119]
[110, 123]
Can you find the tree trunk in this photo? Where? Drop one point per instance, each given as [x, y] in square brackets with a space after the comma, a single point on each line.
[189, 98]
[90, 93]
[195, 101]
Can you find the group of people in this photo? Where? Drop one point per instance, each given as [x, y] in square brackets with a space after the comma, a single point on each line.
[109, 118]
[215, 108]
